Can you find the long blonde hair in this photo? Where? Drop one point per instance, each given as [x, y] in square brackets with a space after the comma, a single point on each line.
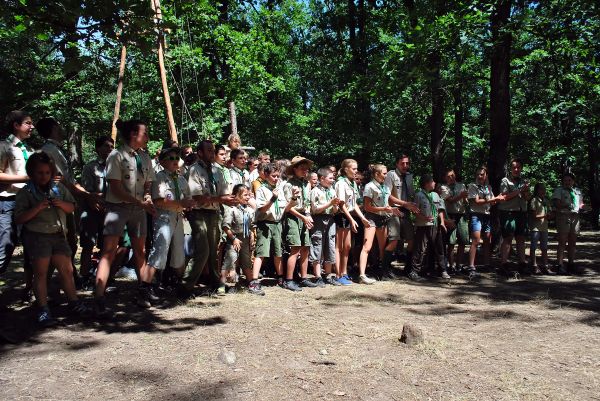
[344, 165]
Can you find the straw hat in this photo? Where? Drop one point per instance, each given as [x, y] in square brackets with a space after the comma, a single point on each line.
[296, 161]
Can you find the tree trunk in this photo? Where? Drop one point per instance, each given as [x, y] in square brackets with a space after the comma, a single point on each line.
[113, 131]
[594, 174]
[161, 67]
[233, 118]
[499, 92]
[459, 114]
[437, 115]
[75, 148]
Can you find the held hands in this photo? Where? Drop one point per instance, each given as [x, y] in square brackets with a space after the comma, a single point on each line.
[228, 200]
[354, 226]
[464, 194]
[308, 221]
[187, 203]
[335, 202]
[237, 245]
[96, 202]
[148, 206]
[412, 207]
[366, 223]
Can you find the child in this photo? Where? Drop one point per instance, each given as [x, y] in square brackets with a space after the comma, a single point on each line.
[455, 194]
[313, 179]
[568, 202]
[347, 192]
[323, 206]
[237, 226]
[42, 207]
[481, 199]
[298, 221]
[377, 211]
[538, 222]
[239, 174]
[426, 234]
[171, 196]
[270, 208]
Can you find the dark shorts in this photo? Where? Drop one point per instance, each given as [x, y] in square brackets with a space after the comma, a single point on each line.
[268, 239]
[460, 233]
[341, 221]
[41, 245]
[480, 222]
[401, 227]
[376, 220]
[296, 233]
[513, 224]
[91, 225]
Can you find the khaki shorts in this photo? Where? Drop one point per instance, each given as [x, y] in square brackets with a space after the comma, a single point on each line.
[232, 256]
[401, 228]
[296, 233]
[41, 245]
[119, 215]
[567, 223]
[268, 238]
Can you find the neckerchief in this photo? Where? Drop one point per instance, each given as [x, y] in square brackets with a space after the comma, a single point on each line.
[305, 193]
[402, 177]
[573, 199]
[245, 220]
[484, 189]
[241, 172]
[19, 145]
[276, 203]
[544, 205]
[226, 174]
[38, 194]
[384, 194]
[138, 161]
[434, 212]
[351, 184]
[211, 177]
[175, 178]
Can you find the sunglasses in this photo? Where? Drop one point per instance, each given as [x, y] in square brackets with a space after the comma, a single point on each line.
[172, 158]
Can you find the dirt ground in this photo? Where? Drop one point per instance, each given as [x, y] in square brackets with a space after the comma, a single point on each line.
[536, 338]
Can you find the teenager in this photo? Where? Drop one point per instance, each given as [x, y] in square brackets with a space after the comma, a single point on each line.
[538, 224]
[454, 194]
[239, 174]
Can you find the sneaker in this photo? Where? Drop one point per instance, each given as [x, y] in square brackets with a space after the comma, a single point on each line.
[100, 310]
[474, 275]
[320, 283]
[363, 279]
[291, 285]
[221, 290]
[255, 288]
[444, 275]
[537, 271]
[45, 319]
[80, 309]
[332, 280]
[344, 280]
[280, 282]
[414, 276]
[305, 282]
[546, 270]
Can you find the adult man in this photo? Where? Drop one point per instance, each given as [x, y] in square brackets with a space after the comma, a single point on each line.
[209, 190]
[513, 215]
[400, 184]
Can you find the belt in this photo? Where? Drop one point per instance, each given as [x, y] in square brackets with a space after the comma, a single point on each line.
[8, 198]
[210, 211]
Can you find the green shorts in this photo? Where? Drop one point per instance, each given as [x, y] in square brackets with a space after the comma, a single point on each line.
[268, 237]
[460, 233]
[514, 224]
[567, 223]
[296, 233]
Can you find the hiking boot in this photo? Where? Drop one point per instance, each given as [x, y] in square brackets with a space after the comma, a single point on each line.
[344, 280]
[280, 282]
[546, 270]
[473, 275]
[305, 282]
[332, 280]
[537, 271]
[320, 283]
[363, 279]
[255, 288]
[291, 285]
[390, 275]
[444, 275]
[562, 270]
[80, 309]
[414, 276]
[221, 290]
[45, 319]
[100, 310]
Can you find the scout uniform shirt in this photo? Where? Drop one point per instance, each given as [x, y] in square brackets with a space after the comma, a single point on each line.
[54, 150]
[133, 169]
[516, 204]
[13, 156]
[206, 181]
[379, 195]
[303, 203]
[239, 220]
[239, 176]
[93, 177]
[484, 191]
[450, 191]
[538, 206]
[347, 191]
[319, 197]
[400, 185]
[170, 186]
[51, 220]
[263, 196]
[226, 177]
[430, 204]
[570, 196]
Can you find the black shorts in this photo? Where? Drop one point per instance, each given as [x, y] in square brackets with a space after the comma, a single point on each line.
[341, 221]
[376, 220]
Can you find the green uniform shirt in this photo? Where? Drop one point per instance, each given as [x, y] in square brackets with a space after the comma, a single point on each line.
[50, 220]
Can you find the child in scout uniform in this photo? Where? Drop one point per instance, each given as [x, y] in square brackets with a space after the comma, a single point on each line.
[538, 226]
[455, 194]
[298, 221]
[171, 196]
[323, 207]
[345, 220]
[129, 173]
[239, 174]
[91, 224]
[399, 183]
[427, 230]
[237, 226]
[480, 199]
[568, 201]
[210, 192]
[377, 212]
[221, 164]
[270, 209]
[513, 215]
[41, 207]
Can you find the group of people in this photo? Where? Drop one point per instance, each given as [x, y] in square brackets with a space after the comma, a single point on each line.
[215, 214]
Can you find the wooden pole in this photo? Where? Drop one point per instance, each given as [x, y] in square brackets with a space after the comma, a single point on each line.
[233, 118]
[161, 67]
[113, 131]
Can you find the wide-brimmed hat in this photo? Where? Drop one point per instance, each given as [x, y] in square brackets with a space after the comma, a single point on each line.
[297, 160]
[165, 151]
